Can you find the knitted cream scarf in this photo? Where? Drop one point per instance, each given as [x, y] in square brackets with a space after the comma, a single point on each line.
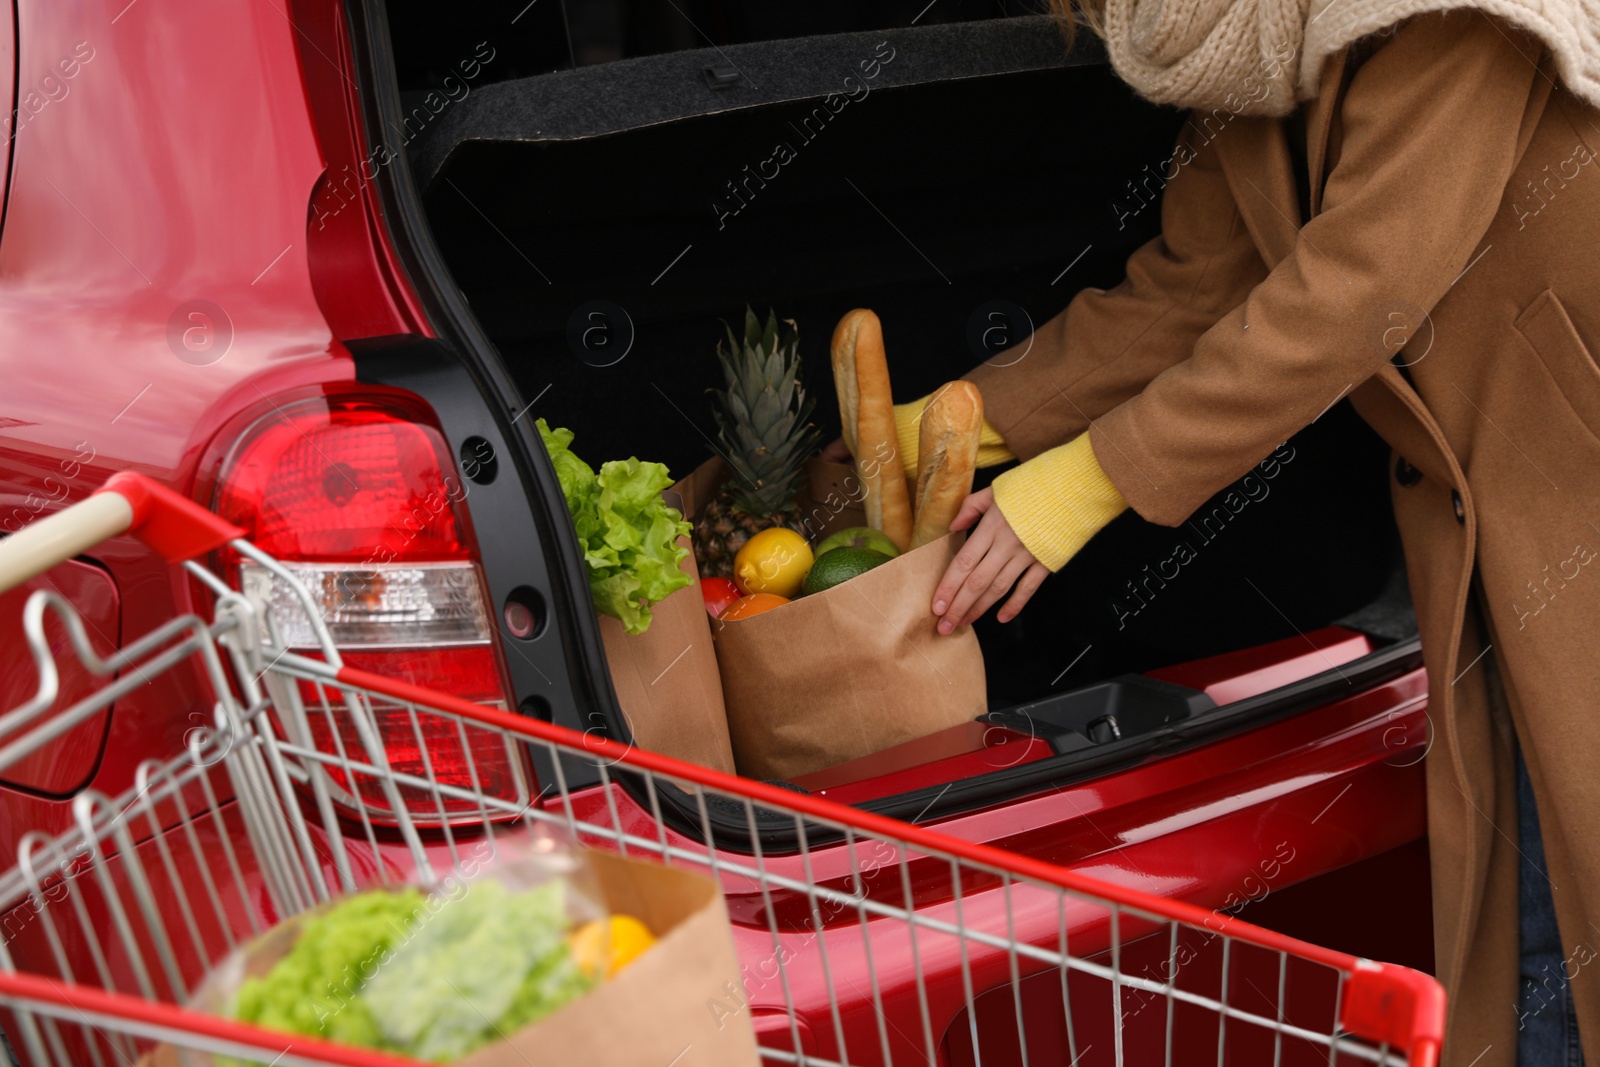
[1261, 57]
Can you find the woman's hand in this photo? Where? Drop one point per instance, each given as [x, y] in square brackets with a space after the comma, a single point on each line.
[989, 564]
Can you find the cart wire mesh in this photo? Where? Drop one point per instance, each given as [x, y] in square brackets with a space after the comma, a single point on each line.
[862, 939]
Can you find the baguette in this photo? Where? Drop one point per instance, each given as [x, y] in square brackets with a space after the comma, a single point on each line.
[947, 454]
[866, 408]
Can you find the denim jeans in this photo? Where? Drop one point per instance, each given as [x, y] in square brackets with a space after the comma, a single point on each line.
[1547, 1034]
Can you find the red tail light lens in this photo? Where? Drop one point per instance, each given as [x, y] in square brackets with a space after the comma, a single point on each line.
[357, 496]
[430, 747]
[345, 481]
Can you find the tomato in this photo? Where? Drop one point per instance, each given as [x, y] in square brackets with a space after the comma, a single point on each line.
[718, 594]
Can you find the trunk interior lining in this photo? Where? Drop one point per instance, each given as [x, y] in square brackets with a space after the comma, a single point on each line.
[630, 94]
[923, 201]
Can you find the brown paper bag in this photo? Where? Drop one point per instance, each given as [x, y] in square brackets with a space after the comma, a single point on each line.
[658, 1010]
[666, 678]
[848, 671]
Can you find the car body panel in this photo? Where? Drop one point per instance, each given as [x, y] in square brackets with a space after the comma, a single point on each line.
[8, 94]
[64, 765]
[1253, 671]
[354, 267]
[177, 169]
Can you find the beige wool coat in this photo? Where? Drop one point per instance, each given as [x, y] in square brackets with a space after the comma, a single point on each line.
[1454, 201]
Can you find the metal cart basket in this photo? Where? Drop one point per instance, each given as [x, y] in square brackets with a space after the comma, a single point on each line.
[863, 940]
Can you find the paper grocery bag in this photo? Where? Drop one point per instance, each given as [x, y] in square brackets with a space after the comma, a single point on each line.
[666, 678]
[677, 1003]
[848, 671]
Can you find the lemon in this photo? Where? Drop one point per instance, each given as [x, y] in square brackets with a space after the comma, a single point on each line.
[629, 937]
[773, 561]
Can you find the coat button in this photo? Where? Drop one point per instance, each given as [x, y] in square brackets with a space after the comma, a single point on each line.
[1461, 509]
[1406, 474]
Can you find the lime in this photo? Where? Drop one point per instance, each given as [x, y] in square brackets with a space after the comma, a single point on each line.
[840, 565]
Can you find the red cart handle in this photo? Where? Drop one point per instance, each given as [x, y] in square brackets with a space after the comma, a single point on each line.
[174, 526]
[1396, 1006]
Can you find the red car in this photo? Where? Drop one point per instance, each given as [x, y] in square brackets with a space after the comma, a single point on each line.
[320, 265]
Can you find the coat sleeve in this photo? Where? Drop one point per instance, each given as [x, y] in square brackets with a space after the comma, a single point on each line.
[1431, 124]
[1108, 344]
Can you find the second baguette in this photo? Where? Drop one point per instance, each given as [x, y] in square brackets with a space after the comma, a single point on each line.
[947, 455]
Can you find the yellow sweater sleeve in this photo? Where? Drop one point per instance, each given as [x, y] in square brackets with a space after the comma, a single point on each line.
[1057, 500]
[992, 448]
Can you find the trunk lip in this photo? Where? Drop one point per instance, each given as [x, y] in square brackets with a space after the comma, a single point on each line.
[776, 833]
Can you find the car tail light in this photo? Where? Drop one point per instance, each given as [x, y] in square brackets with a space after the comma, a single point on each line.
[357, 497]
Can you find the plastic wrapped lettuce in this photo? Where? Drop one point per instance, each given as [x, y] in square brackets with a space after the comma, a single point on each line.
[489, 963]
[628, 533]
[430, 974]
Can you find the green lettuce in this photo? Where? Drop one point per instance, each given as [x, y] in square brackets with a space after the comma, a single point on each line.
[316, 988]
[628, 534]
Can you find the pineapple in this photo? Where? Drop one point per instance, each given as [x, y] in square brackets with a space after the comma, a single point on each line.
[764, 437]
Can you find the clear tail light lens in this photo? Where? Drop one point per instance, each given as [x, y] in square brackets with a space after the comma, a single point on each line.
[381, 606]
[357, 497]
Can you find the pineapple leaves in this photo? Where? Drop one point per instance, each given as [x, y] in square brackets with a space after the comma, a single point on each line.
[763, 414]
[769, 339]
[628, 534]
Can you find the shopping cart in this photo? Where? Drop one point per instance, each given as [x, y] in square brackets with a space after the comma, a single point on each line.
[863, 940]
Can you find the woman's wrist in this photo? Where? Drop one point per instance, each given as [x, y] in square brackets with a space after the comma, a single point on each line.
[1057, 501]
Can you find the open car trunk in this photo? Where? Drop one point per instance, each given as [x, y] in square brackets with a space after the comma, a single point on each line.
[981, 170]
